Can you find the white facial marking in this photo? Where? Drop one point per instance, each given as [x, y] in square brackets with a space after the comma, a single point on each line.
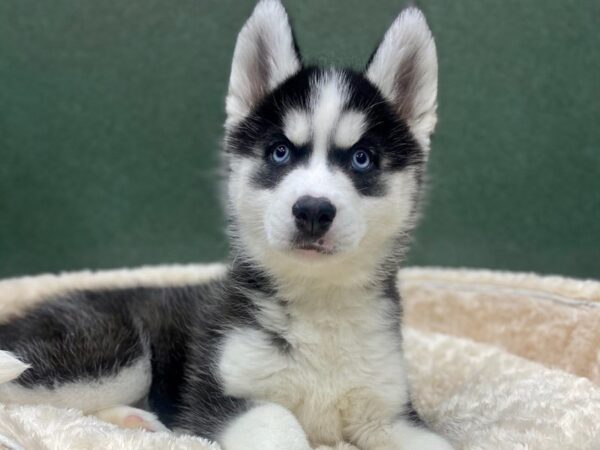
[330, 98]
[350, 128]
[361, 232]
[296, 127]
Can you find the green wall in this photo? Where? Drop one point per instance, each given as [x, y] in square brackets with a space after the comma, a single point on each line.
[111, 112]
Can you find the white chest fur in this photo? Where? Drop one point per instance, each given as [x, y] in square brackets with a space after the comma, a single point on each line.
[344, 361]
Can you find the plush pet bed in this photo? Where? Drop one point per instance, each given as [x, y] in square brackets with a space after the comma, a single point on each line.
[497, 360]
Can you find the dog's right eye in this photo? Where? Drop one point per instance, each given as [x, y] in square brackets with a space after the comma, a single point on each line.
[281, 154]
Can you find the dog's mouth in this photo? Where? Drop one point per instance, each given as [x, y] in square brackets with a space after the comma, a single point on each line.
[310, 248]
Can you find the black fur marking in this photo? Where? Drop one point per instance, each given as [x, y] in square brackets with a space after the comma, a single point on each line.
[270, 174]
[96, 338]
[395, 143]
[246, 276]
[254, 136]
[87, 336]
[390, 288]
[205, 409]
[387, 137]
[248, 139]
[251, 281]
[369, 183]
[412, 416]
[279, 341]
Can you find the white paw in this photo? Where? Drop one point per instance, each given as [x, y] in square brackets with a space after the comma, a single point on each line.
[424, 439]
[265, 427]
[130, 417]
[340, 446]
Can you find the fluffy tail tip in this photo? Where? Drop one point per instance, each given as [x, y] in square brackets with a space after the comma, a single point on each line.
[10, 366]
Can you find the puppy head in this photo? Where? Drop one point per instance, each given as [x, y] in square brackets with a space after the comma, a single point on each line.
[324, 163]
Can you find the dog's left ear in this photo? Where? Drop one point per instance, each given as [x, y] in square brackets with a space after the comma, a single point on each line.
[404, 68]
[265, 55]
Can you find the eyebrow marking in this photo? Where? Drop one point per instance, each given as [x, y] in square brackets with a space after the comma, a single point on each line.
[350, 128]
[297, 127]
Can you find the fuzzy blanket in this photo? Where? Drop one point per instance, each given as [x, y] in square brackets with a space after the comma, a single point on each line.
[497, 361]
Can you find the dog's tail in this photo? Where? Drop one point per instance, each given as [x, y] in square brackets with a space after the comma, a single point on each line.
[10, 366]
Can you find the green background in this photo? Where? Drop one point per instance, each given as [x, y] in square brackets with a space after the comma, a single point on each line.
[111, 114]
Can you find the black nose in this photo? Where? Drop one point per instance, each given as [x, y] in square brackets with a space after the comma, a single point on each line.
[313, 215]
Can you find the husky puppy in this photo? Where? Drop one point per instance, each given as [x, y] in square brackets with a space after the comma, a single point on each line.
[299, 344]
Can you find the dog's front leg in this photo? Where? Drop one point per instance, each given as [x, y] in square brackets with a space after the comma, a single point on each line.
[265, 426]
[410, 436]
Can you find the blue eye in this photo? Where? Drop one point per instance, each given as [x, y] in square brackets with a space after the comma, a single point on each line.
[361, 161]
[281, 154]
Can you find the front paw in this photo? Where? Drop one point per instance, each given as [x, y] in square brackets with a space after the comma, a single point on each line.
[265, 427]
[403, 436]
[418, 438]
[340, 446]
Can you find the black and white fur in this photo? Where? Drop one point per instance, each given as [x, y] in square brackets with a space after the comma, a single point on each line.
[299, 344]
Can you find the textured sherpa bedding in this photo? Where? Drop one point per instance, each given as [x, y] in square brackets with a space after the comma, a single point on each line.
[497, 361]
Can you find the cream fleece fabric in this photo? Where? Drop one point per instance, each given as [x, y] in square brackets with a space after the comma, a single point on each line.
[551, 320]
[464, 332]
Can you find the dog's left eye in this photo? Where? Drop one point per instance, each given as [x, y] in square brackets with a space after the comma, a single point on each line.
[361, 161]
[281, 154]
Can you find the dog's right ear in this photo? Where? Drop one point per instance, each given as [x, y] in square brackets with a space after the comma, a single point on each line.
[265, 55]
